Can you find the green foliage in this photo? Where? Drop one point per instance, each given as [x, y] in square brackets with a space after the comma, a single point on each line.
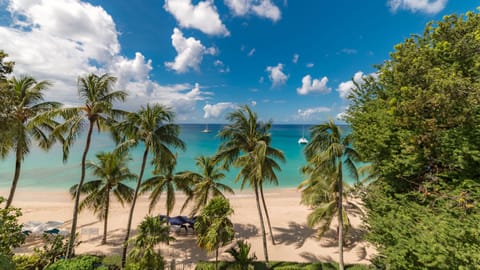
[6, 67]
[11, 235]
[241, 255]
[150, 232]
[418, 124]
[214, 227]
[53, 250]
[207, 183]
[6, 262]
[78, 263]
[418, 231]
[113, 262]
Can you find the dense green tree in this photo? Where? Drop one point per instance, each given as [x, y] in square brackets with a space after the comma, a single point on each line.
[165, 180]
[11, 235]
[112, 171]
[6, 99]
[207, 183]
[98, 96]
[31, 120]
[246, 144]
[328, 153]
[213, 227]
[418, 124]
[153, 126]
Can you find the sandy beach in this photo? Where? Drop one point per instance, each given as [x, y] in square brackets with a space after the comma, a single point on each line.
[295, 240]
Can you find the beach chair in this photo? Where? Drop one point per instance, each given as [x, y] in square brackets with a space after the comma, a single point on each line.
[52, 231]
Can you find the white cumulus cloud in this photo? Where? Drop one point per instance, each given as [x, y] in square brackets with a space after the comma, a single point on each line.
[202, 16]
[308, 113]
[190, 52]
[426, 6]
[261, 8]
[276, 75]
[295, 58]
[216, 110]
[345, 88]
[63, 39]
[313, 86]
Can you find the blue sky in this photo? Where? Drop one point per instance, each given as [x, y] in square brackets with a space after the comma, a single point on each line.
[292, 61]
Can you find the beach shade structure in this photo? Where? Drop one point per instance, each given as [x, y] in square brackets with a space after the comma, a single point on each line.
[190, 222]
[181, 221]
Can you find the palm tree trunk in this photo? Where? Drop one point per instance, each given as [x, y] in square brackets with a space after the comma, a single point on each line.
[262, 225]
[132, 207]
[340, 217]
[16, 176]
[105, 222]
[73, 231]
[266, 214]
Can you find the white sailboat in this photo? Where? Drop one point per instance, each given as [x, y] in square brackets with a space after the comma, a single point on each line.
[206, 130]
[303, 140]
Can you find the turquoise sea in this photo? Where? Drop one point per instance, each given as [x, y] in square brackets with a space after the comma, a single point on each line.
[46, 169]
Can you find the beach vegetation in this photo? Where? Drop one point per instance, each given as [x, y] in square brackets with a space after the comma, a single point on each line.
[112, 171]
[328, 154]
[168, 182]
[418, 124]
[81, 263]
[11, 235]
[30, 120]
[150, 232]
[241, 255]
[97, 94]
[246, 144]
[213, 227]
[153, 126]
[206, 184]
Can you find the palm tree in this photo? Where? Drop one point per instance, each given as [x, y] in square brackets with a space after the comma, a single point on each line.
[241, 255]
[214, 227]
[153, 126]
[327, 154]
[166, 181]
[206, 183]
[111, 171]
[28, 117]
[246, 144]
[150, 232]
[98, 96]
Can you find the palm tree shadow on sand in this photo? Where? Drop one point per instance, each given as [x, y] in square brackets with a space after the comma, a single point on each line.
[295, 234]
[245, 231]
[360, 253]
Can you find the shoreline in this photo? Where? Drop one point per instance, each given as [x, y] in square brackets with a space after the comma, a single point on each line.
[295, 240]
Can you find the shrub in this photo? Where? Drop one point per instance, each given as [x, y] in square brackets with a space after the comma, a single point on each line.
[79, 263]
[11, 235]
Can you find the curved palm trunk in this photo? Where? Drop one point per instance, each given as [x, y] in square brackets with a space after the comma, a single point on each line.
[262, 225]
[266, 215]
[73, 231]
[132, 208]
[16, 176]
[105, 222]
[340, 218]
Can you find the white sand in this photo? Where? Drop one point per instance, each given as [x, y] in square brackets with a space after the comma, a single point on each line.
[295, 241]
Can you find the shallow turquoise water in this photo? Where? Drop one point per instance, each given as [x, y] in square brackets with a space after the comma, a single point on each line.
[46, 169]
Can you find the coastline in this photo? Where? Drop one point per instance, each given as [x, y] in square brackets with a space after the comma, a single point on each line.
[295, 241]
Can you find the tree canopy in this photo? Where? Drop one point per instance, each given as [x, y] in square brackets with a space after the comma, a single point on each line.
[418, 123]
